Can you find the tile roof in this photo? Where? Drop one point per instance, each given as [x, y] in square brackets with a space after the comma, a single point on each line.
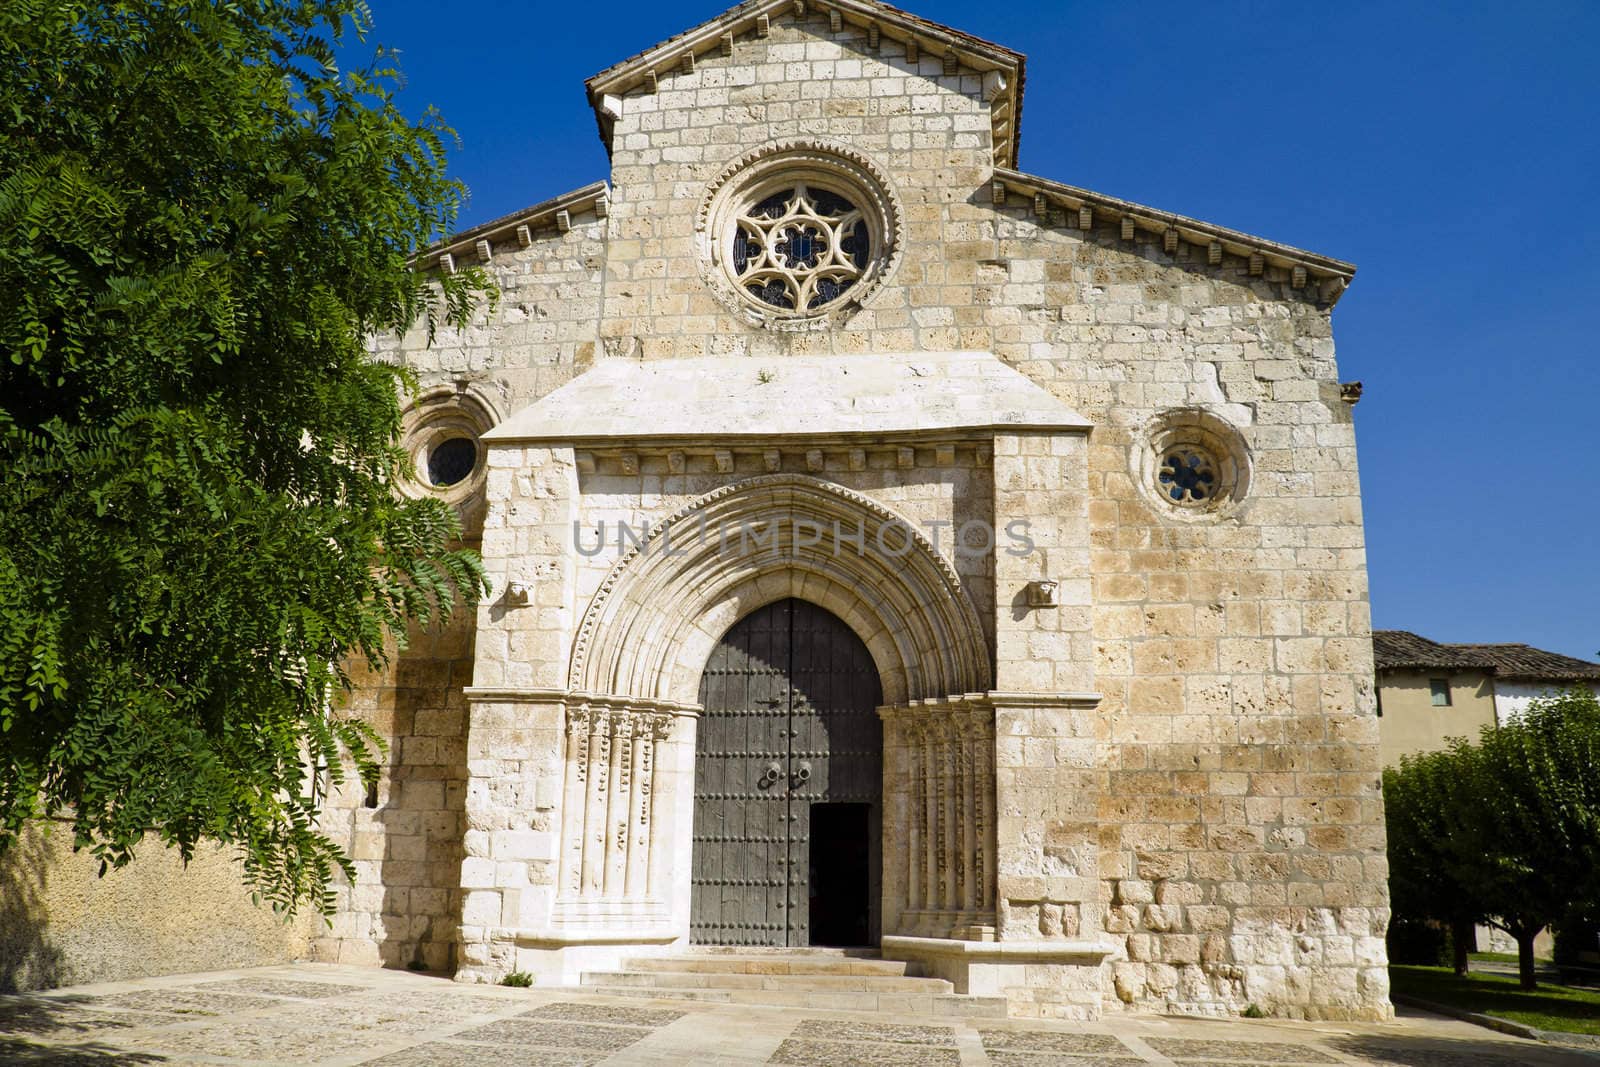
[1525, 661]
[1402, 650]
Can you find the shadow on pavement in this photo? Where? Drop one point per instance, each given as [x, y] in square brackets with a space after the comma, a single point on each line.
[1456, 1052]
[71, 1055]
[62, 1018]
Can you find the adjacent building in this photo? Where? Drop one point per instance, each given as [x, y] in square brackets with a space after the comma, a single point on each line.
[1429, 692]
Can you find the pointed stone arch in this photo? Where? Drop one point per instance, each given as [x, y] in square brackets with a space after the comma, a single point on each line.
[664, 605]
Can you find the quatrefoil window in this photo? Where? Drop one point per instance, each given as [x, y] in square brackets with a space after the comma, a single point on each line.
[1188, 476]
[800, 249]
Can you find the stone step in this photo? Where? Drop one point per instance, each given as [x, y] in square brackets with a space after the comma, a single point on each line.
[945, 1005]
[789, 962]
[814, 982]
[860, 952]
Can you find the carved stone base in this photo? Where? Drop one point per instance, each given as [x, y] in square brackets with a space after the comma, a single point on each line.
[1039, 979]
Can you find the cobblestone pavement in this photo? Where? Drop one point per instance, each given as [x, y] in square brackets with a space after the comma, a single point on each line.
[319, 1014]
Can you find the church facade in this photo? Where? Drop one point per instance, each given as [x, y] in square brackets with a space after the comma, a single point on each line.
[889, 548]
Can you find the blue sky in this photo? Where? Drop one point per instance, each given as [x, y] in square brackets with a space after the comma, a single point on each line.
[1451, 151]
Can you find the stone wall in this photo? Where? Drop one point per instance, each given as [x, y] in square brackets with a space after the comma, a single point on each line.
[62, 923]
[929, 131]
[405, 836]
[1217, 814]
[1242, 832]
[542, 331]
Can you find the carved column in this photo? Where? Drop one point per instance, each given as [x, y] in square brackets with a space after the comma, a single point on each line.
[966, 817]
[608, 822]
[948, 837]
[985, 822]
[618, 803]
[916, 818]
[637, 881]
[594, 804]
[653, 868]
[576, 787]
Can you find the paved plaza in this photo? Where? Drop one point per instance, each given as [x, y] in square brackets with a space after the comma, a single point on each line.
[323, 1014]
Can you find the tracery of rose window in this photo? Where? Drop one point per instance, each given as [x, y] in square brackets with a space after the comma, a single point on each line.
[800, 249]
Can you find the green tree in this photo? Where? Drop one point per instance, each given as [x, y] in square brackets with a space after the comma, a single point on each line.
[202, 220]
[1435, 858]
[1539, 785]
[1505, 831]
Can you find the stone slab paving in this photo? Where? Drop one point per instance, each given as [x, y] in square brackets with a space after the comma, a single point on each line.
[342, 1016]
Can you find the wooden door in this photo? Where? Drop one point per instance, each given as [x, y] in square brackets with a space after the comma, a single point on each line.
[789, 748]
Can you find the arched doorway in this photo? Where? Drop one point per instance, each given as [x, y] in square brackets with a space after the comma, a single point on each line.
[788, 784]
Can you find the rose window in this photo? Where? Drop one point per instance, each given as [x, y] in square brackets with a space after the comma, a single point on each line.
[1187, 476]
[800, 249]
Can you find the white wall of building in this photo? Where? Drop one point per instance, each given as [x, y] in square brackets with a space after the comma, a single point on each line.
[1511, 699]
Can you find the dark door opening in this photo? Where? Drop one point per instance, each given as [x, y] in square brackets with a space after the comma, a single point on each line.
[788, 785]
[841, 874]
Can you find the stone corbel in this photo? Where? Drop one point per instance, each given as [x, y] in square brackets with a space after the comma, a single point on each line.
[994, 83]
[1043, 593]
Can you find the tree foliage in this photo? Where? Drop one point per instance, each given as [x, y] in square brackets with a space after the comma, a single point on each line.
[1434, 865]
[1506, 830]
[202, 220]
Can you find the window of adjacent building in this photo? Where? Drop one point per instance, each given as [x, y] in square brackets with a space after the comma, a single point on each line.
[1439, 688]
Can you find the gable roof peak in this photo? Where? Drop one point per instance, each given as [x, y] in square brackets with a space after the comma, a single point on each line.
[884, 26]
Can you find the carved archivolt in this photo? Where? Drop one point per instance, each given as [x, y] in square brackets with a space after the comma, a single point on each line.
[656, 615]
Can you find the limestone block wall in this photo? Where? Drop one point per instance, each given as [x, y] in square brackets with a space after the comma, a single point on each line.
[513, 804]
[1049, 738]
[929, 131]
[542, 332]
[1242, 834]
[405, 836]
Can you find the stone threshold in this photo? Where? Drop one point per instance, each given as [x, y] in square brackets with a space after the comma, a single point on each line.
[998, 951]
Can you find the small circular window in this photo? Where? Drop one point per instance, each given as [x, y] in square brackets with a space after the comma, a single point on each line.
[451, 461]
[1192, 461]
[797, 231]
[441, 433]
[1188, 476]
